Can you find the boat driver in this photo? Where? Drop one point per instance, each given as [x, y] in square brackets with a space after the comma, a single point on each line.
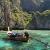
[26, 34]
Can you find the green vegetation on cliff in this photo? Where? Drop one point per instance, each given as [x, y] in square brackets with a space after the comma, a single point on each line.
[12, 14]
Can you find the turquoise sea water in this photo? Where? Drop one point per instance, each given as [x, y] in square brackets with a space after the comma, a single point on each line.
[38, 42]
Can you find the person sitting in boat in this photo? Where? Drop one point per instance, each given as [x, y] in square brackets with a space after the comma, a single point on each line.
[11, 33]
[26, 34]
[21, 35]
[14, 34]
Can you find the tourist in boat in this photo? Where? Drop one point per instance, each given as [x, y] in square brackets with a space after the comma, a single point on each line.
[12, 34]
[26, 34]
[9, 33]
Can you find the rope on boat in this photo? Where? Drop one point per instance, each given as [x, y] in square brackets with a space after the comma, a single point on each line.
[46, 44]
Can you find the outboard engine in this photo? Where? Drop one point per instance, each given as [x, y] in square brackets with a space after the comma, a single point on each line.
[9, 33]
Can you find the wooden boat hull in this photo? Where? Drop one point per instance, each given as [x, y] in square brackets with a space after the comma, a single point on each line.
[17, 39]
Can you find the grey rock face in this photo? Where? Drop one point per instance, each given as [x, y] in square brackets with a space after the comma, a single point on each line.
[29, 5]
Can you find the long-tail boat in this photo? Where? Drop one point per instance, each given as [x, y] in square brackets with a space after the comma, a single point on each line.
[18, 36]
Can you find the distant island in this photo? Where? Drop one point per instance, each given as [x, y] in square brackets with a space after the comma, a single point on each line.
[24, 14]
